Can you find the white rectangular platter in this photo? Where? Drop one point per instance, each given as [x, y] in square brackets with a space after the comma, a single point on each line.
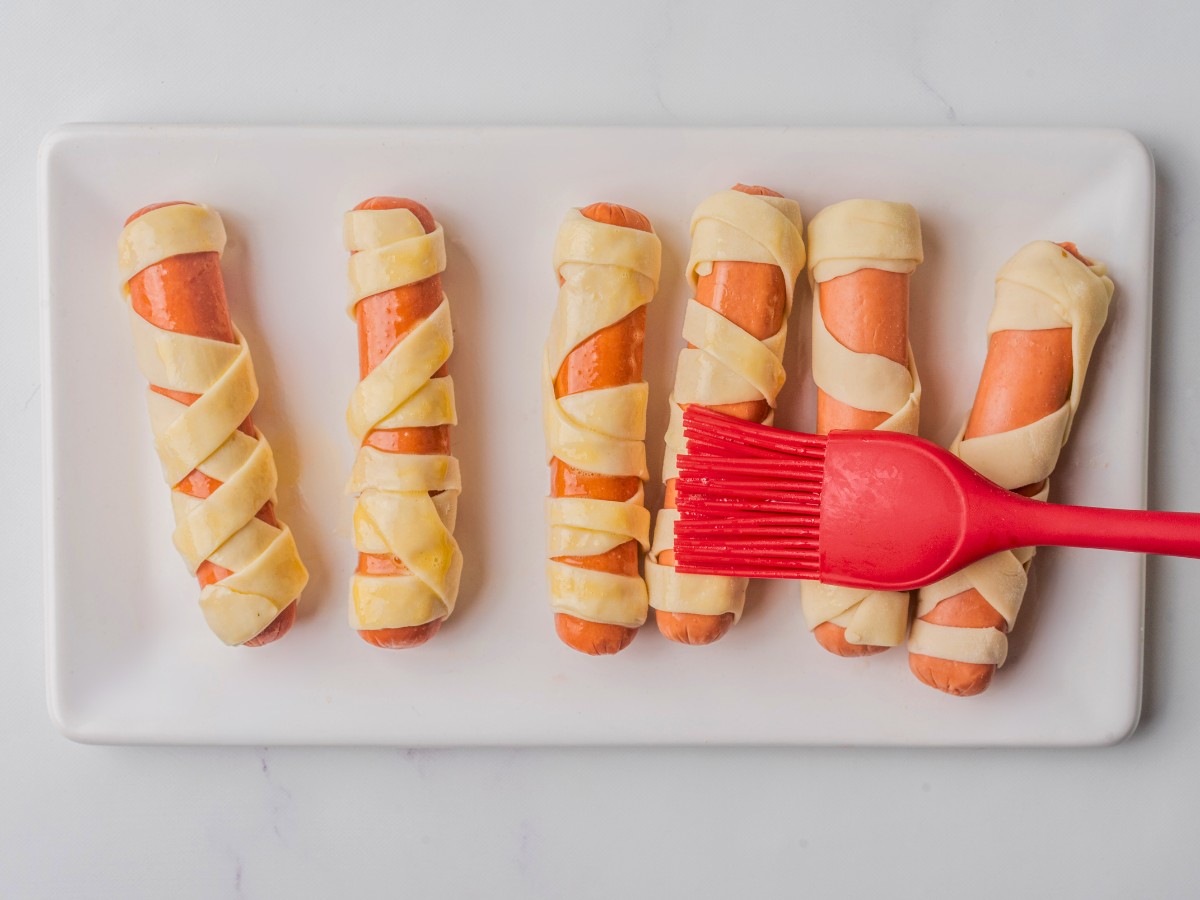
[129, 657]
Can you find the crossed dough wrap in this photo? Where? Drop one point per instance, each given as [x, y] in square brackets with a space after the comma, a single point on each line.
[726, 365]
[844, 238]
[1042, 287]
[394, 513]
[267, 574]
[608, 271]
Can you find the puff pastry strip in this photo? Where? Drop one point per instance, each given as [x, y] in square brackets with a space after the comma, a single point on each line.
[406, 503]
[726, 365]
[607, 273]
[843, 239]
[208, 436]
[1042, 287]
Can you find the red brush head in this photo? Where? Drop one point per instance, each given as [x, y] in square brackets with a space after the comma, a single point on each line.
[749, 498]
[857, 508]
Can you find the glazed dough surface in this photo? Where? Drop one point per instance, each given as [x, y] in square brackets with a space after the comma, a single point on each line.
[394, 514]
[267, 574]
[726, 365]
[1042, 286]
[607, 273]
[168, 231]
[842, 239]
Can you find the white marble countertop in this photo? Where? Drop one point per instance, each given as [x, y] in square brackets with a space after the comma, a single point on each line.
[202, 822]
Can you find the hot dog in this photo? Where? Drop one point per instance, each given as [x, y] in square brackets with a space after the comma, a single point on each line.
[861, 256]
[607, 258]
[747, 251]
[1051, 303]
[220, 468]
[406, 481]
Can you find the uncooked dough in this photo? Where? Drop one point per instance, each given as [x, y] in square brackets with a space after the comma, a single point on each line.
[843, 239]
[394, 514]
[1042, 286]
[607, 272]
[266, 572]
[725, 365]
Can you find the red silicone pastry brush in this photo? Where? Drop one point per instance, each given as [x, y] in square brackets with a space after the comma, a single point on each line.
[870, 509]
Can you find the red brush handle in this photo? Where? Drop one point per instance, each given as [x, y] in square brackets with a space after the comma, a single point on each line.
[1021, 522]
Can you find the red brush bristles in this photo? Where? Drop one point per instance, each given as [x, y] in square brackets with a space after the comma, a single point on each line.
[749, 499]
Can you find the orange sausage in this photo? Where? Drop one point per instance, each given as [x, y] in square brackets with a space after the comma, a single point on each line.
[186, 294]
[867, 312]
[609, 358]
[383, 321]
[752, 296]
[1026, 376]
